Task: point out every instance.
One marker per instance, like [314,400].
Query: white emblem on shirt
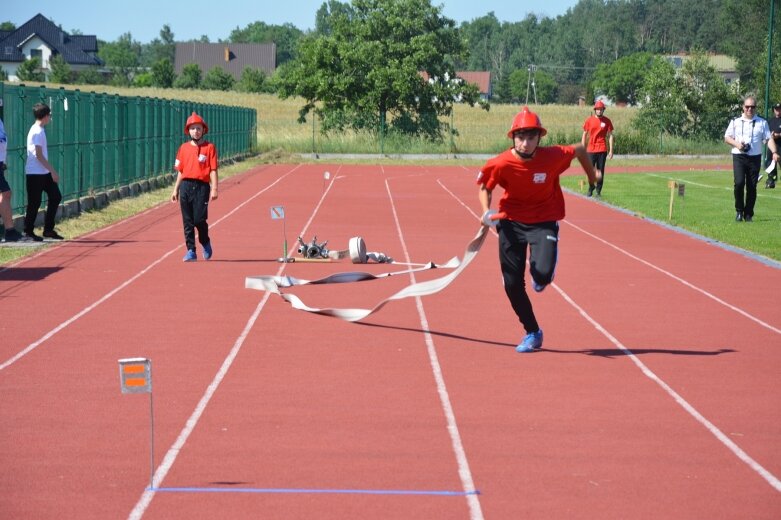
[539,178]
[479,175]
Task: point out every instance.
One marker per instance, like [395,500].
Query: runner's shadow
[617,352]
[441,334]
[27,274]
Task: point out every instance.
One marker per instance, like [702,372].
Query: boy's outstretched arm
[585,163]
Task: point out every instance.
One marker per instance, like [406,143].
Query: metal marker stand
[135,377]
[278,213]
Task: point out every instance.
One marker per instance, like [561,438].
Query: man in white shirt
[746,135]
[41,177]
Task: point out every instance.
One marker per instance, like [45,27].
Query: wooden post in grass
[681,190]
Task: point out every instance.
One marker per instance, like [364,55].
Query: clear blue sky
[188,19]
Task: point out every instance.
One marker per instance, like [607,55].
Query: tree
[122,57]
[708,99]
[286,38]
[217,79]
[622,79]
[160,48]
[163,74]
[663,107]
[252,80]
[60,70]
[370,66]
[30,70]
[326,11]
[190,77]
[90,76]
[7,26]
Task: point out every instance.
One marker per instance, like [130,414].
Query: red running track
[656,394]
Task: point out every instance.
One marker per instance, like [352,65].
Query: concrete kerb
[74,207]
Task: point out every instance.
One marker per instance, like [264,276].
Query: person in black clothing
[775,131]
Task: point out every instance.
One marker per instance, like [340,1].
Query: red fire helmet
[526,120]
[195,119]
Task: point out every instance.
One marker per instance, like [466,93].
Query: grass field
[476,131]
[706,207]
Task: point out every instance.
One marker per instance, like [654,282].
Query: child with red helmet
[196,185]
[529,212]
[598,129]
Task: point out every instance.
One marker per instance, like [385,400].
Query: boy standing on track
[196,185]
[40,177]
[599,131]
[529,212]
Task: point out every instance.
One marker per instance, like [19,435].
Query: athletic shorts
[598,160]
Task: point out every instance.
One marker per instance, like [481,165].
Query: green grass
[706,208]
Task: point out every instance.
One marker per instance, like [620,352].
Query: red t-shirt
[196,161]
[532,192]
[597,128]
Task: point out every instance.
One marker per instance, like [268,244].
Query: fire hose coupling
[356,251]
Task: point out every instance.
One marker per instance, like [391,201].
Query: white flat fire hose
[275,283]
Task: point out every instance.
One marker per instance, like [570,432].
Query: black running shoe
[53,235]
[31,237]
[12,235]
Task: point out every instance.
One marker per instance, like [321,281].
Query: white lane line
[678,279]
[724,439]
[464,473]
[32,346]
[173,452]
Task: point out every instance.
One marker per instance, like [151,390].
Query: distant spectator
[775,132]
[745,135]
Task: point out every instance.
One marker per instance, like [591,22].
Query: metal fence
[98,141]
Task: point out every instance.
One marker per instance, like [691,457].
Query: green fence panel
[99,142]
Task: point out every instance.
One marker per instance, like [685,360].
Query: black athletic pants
[36,186]
[542,240]
[745,170]
[194,203]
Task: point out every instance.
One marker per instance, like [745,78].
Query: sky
[217,18]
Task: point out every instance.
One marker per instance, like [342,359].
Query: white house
[40,37]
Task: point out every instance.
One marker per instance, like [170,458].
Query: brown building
[233,58]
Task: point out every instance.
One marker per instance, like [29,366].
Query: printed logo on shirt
[201,158]
[177,163]
[602,124]
[539,178]
[479,176]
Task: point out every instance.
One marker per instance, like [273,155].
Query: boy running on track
[529,212]
[196,185]
[598,131]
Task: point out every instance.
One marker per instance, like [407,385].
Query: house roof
[482,79]
[75,49]
[232,57]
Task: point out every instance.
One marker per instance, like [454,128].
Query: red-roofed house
[476,77]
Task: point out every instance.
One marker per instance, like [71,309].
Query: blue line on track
[304,490]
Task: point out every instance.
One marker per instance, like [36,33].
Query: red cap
[599,104]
